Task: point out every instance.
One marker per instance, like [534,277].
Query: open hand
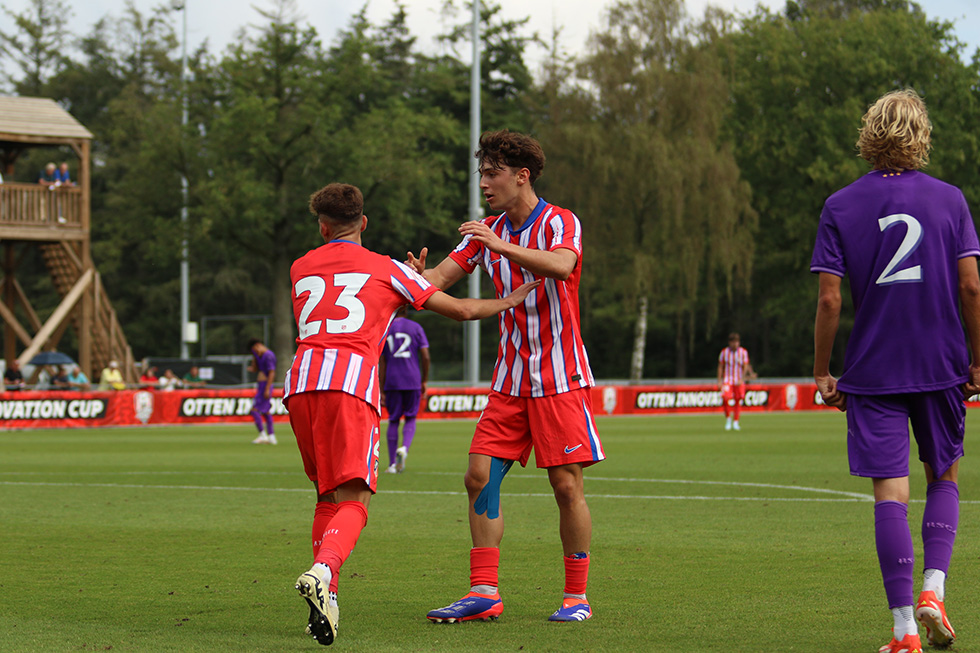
[418,264]
[522,291]
[483,234]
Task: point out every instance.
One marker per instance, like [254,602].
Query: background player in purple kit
[908,245]
[404,371]
[264,365]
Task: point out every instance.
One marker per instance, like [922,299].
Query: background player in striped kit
[541,390]
[734,370]
[908,246]
[344,299]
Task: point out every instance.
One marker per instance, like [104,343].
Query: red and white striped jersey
[541,351]
[733,364]
[344,299]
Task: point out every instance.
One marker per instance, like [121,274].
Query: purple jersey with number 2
[899,236]
[401,353]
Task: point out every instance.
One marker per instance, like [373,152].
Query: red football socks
[576,573]
[325,511]
[341,534]
[484,563]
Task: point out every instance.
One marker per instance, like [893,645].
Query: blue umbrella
[51,358]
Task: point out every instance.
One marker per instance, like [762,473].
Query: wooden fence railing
[36,205]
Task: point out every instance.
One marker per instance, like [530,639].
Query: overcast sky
[219,20]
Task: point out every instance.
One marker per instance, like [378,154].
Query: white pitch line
[853,498]
[800,488]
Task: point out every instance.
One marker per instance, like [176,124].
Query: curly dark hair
[338,202]
[507,148]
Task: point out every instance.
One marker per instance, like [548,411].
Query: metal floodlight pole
[472,328]
[184,263]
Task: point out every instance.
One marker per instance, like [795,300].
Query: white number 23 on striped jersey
[350,284]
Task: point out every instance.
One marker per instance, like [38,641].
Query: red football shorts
[733,392]
[338,438]
[560,428]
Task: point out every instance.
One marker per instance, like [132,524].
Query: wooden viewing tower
[58,221]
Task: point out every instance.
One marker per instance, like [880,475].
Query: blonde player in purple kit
[404,373]
[907,243]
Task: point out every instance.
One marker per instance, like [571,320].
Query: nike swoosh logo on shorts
[571,449]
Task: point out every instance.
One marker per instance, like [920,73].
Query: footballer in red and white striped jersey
[733,362]
[541,352]
[344,299]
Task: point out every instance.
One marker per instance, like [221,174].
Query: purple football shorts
[878,431]
[261,403]
[400,403]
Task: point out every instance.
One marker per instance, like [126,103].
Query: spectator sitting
[63,177]
[77,379]
[60,379]
[149,379]
[43,379]
[112,378]
[193,378]
[13,378]
[169,381]
[49,176]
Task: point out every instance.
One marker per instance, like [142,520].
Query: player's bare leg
[487,525]
[575,529]
[483,478]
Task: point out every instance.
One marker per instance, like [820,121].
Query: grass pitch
[190,539]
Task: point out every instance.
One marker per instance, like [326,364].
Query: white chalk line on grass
[842,496]
[849,497]
[801,488]
[653,497]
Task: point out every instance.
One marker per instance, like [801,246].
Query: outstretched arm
[824,332]
[425,361]
[970,306]
[475,309]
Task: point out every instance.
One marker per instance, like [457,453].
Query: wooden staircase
[108,341]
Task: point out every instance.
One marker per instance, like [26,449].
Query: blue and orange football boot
[472,607]
[572,610]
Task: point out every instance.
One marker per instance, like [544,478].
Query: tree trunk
[283,327]
[680,346]
[639,340]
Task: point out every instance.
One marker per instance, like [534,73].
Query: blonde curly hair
[896,133]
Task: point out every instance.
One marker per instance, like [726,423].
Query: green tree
[289,118]
[668,216]
[794,118]
[37,45]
